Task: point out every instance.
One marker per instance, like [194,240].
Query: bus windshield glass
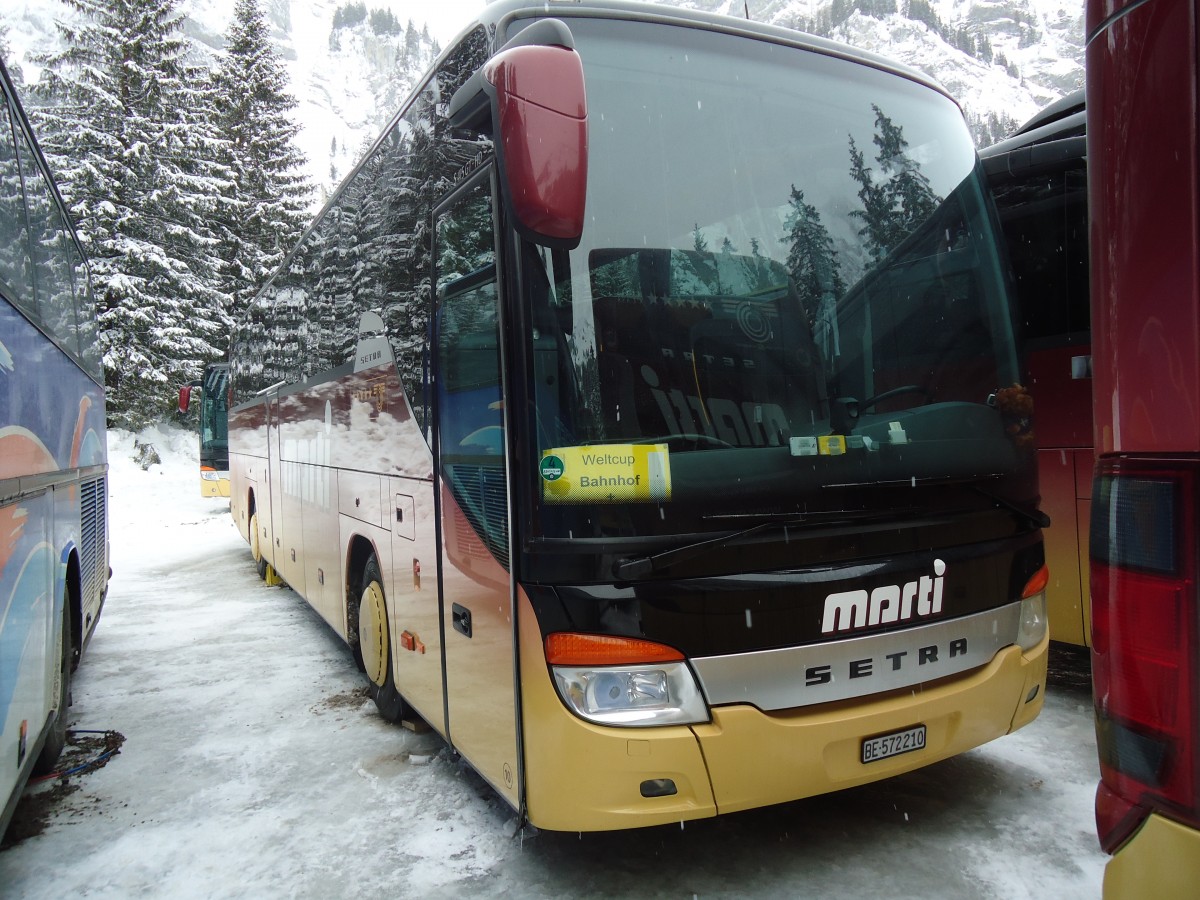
[214,417]
[787,293]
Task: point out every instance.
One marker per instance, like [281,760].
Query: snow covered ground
[254,766]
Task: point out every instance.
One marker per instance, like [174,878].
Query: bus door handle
[462,619]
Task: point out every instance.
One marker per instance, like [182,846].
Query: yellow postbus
[644,411]
[213,388]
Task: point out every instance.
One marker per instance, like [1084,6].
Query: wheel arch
[359,549]
[74,589]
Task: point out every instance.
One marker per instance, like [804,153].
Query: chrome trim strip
[859,666]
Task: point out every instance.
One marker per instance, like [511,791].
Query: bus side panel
[1064,431]
[289,535]
[417,656]
[1141,214]
[28,569]
[270,515]
[477,622]
[1064,597]
[247,465]
[309,550]
[320,549]
[51,421]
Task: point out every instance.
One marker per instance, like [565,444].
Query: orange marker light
[1037,583]
[571,649]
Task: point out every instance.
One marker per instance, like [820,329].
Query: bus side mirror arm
[532,94]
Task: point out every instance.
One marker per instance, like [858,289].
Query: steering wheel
[896,392]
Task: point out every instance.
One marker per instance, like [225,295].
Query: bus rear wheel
[374,645]
[260,561]
[56,740]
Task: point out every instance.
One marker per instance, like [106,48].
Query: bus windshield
[214,417]
[787,288]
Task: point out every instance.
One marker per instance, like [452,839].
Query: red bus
[645,413]
[1144,197]
[1038,179]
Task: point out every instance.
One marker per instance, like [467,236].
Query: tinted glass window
[16,266]
[1046,229]
[53,263]
[85,312]
[471,411]
[788,279]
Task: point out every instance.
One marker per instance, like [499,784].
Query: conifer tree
[811,260]
[122,124]
[14,70]
[269,195]
[894,206]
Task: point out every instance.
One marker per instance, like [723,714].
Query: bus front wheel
[374,645]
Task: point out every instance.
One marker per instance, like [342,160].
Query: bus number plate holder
[893,744]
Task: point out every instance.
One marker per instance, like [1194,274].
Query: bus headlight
[617,680]
[1033,621]
[663,694]
[1033,610]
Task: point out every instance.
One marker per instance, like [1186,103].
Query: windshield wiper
[1036,516]
[641,566]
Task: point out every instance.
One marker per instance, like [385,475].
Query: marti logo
[846,610]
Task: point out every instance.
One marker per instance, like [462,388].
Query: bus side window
[15,263]
[52,266]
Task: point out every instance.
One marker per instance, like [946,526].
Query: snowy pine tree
[892,208]
[812,259]
[123,127]
[269,195]
[14,70]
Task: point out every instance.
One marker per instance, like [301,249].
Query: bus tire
[374,644]
[56,740]
[260,561]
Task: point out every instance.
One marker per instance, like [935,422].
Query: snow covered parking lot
[254,766]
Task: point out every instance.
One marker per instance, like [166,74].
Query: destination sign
[606,473]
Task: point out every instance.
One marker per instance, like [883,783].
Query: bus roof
[1065,118]
[499,15]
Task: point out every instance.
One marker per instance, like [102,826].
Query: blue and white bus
[53,459]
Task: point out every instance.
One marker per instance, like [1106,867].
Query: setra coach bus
[644,411]
[1143,106]
[53,459]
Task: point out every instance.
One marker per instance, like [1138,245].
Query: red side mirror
[541,113]
[185,398]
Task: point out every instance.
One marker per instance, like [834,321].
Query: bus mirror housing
[532,92]
[185,396]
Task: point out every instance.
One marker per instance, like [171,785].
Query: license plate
[886,745]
